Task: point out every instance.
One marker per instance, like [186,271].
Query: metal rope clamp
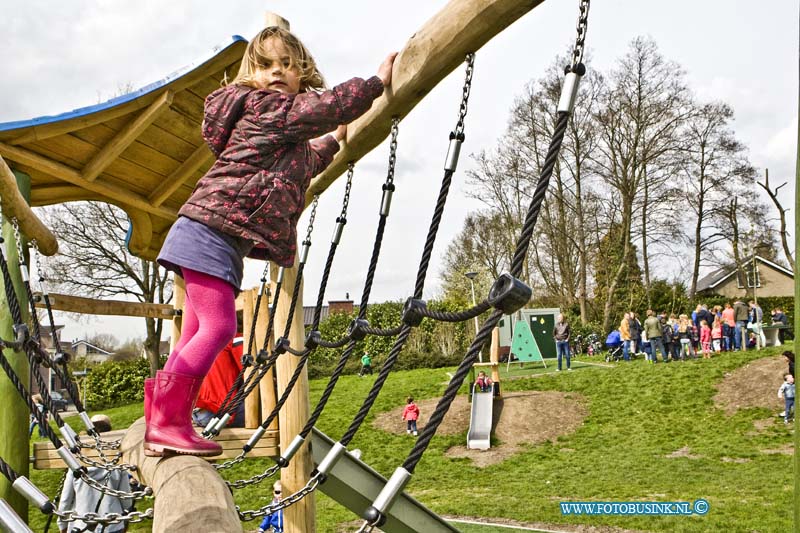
[411,311]
[262,357]
[508,294]
[376,513]
[356,329]
[281,346]
[313,338]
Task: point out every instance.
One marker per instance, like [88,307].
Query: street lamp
[471,276]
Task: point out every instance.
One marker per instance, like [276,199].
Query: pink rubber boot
[170,429]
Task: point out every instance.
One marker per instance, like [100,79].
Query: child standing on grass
[705,339]
[366,365]
[410,415]
[685,337]
[716,335]
[268,131]
[786,392]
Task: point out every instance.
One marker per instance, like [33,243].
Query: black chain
[462,111]
[582,26]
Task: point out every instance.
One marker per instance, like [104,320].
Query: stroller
[614,344]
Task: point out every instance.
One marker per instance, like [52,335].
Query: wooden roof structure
[142,151]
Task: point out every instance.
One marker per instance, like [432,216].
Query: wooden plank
[125,137]
[189,105]
[155,149]
[15,206]
[70,175]
[201,156]
[74,151]
[181,127]
[430,54]
[45,456]
[90,306]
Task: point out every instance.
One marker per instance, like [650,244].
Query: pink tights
[209,324]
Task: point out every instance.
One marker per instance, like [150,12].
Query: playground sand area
[753,385]
[521,418]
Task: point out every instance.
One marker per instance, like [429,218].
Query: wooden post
[266,388]
[14,415]
[263,396]
[179,295]
[296,410]
[273,19]
[494,356]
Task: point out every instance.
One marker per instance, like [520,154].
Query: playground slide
[355,485]
[480,421]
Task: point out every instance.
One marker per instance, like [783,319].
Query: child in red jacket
[410,415]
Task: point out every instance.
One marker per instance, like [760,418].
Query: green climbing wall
[524,347]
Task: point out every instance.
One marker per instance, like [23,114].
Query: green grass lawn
[638,415]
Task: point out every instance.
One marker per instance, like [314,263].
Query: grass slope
[639,414]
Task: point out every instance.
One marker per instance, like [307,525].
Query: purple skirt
[193,245]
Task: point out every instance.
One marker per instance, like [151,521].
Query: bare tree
[714,166]
[773,195]
[93,260]
[641,112]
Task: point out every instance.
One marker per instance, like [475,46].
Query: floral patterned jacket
[266,159]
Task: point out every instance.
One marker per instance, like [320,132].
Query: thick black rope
[29,293]
[405,329]
[26,397]
[484,334]
[362,314]
[7,471]
[11,295]
[459,316]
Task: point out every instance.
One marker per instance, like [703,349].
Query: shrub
[116,383]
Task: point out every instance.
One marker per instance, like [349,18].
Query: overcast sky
[58,56]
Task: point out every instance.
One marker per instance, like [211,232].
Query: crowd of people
[703,333]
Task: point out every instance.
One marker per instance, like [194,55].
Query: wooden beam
[90,306]
[189,493]
[180,175]
[231,439]
[433,52]
[126,136]
[15,206]
[70,175]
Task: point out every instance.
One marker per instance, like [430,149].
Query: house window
[753,275]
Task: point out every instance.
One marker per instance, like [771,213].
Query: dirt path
[521,418]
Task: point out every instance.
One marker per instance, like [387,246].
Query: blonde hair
[299,56]
[683,324]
